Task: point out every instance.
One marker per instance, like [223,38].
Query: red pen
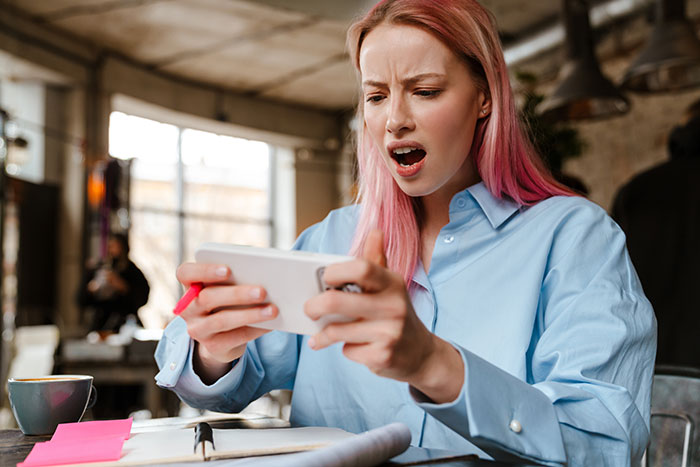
[190,295]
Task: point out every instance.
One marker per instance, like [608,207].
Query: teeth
[406,150]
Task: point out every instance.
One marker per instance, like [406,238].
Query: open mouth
[407,157]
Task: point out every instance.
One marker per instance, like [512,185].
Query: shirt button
[172,366]
[449,239]
[515,426]
[461,202]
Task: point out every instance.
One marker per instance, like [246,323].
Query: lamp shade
[583,91]
[671,58]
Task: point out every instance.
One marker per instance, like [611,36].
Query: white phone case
[289,277]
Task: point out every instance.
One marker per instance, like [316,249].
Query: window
[188,187]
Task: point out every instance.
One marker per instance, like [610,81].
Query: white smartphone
[289,277]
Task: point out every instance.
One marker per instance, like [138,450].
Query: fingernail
[268,311]
[222,271]
[312,342]
[255,293]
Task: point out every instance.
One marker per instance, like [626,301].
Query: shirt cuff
[193,384]
[171,353]
[499,413]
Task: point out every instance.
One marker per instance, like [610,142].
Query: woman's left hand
[385,335]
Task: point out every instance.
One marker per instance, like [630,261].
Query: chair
[675,413]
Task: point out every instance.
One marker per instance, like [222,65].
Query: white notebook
[157,447]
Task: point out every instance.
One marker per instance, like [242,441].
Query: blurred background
[175,122]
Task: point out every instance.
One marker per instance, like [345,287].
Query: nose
[399,118]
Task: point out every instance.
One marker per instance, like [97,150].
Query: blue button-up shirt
[542,302]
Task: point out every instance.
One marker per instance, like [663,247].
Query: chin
[413,188]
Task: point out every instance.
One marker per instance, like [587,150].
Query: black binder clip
[203,434]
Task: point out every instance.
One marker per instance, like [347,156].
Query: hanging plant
[555,142]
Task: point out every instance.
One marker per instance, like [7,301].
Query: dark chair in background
[675,413]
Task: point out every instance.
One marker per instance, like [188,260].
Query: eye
[374,98]
[428,92]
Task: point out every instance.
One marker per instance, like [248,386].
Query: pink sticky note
[65,452]
[83,431]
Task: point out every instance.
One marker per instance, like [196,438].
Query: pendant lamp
[671,58]
[583,92]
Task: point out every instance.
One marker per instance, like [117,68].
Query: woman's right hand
[219,319]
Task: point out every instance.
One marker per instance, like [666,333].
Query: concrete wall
[284,206]
[70,261]
[316,186]
[55,113]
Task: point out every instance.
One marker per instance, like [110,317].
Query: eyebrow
[407,81]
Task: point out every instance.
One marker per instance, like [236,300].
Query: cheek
[375,126]
[454,125]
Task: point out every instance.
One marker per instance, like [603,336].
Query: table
[14,447]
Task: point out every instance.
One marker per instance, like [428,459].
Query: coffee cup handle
[93,397]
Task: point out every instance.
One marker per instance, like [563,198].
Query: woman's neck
[434,215]
[435,212]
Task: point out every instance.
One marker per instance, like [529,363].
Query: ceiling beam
[68,56]
[299,73]
[234,41]
[23,37]
[306,126]
[96,8]
[345,10]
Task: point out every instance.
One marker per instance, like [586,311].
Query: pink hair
[504,156]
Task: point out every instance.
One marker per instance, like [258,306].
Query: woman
[509,321]
[115,289]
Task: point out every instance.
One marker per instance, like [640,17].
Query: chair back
[675,414]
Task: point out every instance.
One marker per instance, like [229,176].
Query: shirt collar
[419,275]
[496,210]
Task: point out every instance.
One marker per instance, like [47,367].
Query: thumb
[374,248]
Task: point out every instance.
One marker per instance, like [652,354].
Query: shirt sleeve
[586,400]
[268,363]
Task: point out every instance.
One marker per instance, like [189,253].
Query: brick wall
[618,148]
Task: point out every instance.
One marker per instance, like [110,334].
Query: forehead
[404,49]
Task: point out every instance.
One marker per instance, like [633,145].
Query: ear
[484,105]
